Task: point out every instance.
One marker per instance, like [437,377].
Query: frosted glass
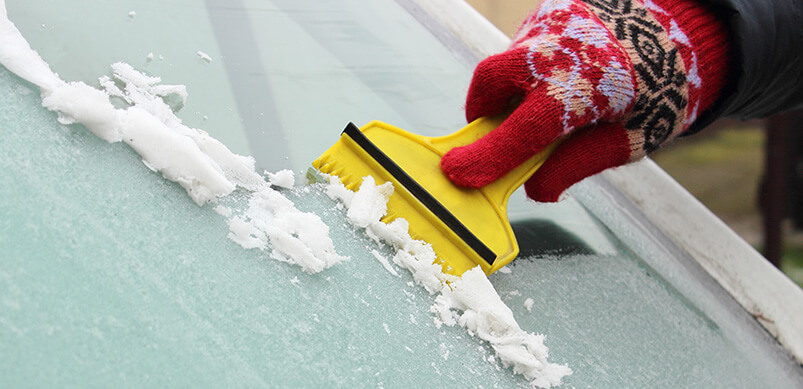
[171,32]
[618,325]
[111,276]
[285,76]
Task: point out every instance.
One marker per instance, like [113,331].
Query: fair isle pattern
[661,111]
[583,66]
[693,81]
[576,47]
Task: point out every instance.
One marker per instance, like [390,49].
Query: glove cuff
[703,43]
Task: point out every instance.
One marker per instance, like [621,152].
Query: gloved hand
[616,79]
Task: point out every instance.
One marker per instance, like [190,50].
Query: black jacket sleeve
[766,69]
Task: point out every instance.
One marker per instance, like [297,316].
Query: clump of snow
[204,57]
[223,211]
[528,304]
[148,93]
[272,220]
[76,102]
[469,301]
[282,179]
[203,166]
[370,203]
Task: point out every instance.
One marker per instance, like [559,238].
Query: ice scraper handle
[501,188]
[465,227]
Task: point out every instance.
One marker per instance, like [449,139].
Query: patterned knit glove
[615,78]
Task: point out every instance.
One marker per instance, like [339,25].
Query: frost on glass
[111,274]
[283,72]
[209,172]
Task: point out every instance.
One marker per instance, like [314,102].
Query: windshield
[112,274]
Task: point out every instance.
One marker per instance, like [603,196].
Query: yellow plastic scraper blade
[466,227]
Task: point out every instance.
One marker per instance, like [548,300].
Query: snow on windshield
[136,109]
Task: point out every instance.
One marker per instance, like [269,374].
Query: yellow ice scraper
[466,227]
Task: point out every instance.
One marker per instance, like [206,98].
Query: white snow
[369,203]
[469,301]
[528,304]
[472,302]
[384,262]
[282,179]
[18,57]
[203,56]
[271,220]
[505,270]
[223,211]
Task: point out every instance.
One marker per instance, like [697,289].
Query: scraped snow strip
[469,301]
[202,165]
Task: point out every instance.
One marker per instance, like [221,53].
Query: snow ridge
[469,301]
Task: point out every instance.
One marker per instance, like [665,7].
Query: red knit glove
[617,79]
